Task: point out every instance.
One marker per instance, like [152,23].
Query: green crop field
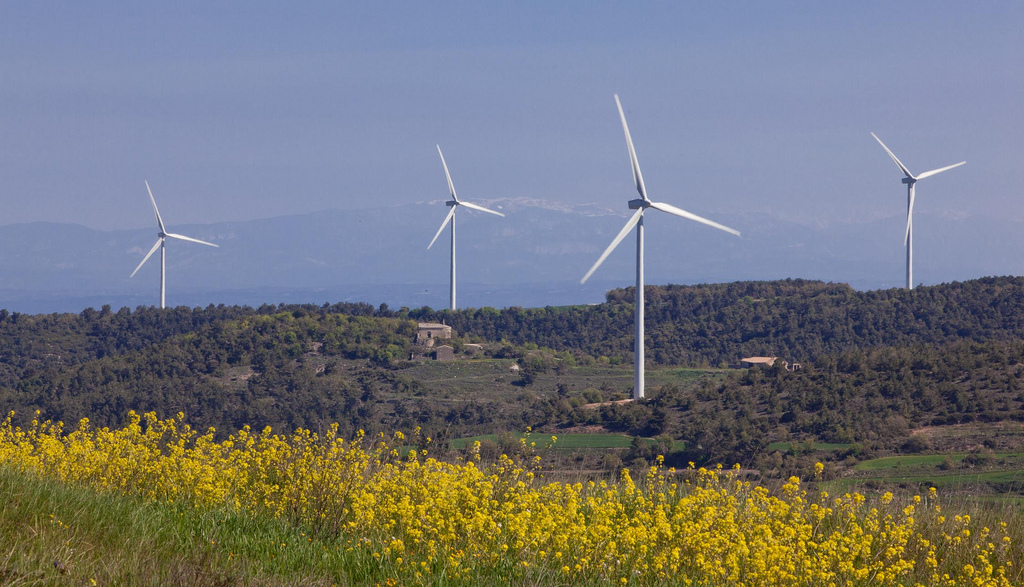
[907,461]
[953,480]
[1004,459]
[991,475]
[492,379]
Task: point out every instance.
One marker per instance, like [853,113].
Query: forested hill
[686,325]
[795,319]
[31,344]
[934,356]
[224,367]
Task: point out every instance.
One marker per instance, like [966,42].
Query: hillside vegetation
[878,368]
[717,324]
[358,512]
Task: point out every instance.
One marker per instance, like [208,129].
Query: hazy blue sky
[244,110]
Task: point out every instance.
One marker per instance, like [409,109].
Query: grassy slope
[563,442]
[51,533]
[1002,475]
[54,533]
[57,534]
[491,380]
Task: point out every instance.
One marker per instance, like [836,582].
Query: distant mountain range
[533,257]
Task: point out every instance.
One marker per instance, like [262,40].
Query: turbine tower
[640,204]
[160,243]
[910,180]
[454,203]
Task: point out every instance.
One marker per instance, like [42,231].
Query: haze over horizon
[237,113]
[534,256]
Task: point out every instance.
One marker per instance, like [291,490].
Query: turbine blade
[894,158]
[447,219]
[480,208]
[638,178]
[190,239]
[159,221]
[146,258]
[684,214]
[451,186]
[939,170]
[618,239]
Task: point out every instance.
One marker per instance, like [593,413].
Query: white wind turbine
[160,238]
[454,203]
[910,180]
[640,204]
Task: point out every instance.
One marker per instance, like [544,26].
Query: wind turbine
[160,238]
[910,180]
[640,204]
[454,203]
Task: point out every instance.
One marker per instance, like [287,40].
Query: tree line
[876,364]
[717,324]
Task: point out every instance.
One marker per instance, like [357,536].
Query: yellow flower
[469,516]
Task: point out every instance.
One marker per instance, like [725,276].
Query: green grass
[57,534]
[953,480]
[489,380]
[51,533]
[1001,477]
[924,460]
[676,375]
[117,540]
[905,461]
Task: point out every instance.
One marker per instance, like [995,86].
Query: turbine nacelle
[909,180]
[643,202]
[451,203]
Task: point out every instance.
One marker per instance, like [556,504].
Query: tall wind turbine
[910,180]
[454,203]
[640,204]
[160,243]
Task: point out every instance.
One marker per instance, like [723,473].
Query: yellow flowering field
[424,519]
